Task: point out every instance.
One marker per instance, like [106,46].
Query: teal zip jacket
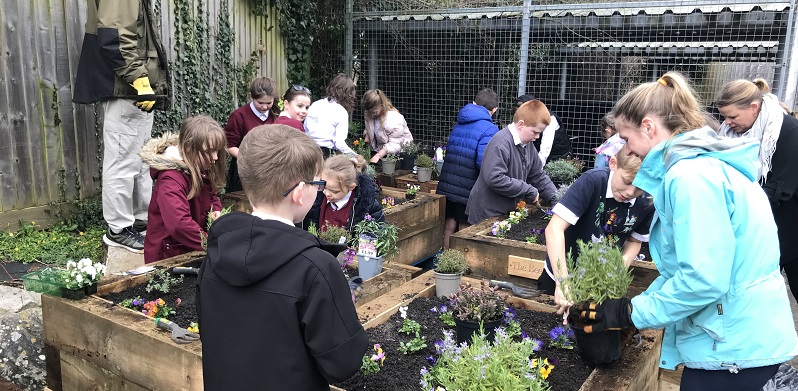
[720,295]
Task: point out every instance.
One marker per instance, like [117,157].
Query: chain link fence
[431,57]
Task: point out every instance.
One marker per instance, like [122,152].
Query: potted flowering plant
[477,308]
[80,278]
[449,268]
[411,191]
[376,241]
[597,274]
[424,166]
[409,153]
[389,163]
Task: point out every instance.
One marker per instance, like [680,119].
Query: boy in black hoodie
[275,310]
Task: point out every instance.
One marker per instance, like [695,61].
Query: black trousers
[751,379]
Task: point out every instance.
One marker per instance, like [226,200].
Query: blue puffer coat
[464,150]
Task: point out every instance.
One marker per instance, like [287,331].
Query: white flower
[79,278]
[403,312]
[71,264]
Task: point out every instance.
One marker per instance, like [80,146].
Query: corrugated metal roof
[721,48]
[563,10]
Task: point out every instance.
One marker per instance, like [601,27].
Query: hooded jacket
[464,152]
[392,133]
[121,44]
[365,202]
[174,222]
[275,309]
[713,240]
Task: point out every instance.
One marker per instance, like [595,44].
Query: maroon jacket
[241,121]
[174,222]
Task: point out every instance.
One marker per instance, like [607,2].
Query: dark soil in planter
[537,221]
[186,291]
[402,372]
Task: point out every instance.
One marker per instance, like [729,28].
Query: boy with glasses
[511,169]
[275,310]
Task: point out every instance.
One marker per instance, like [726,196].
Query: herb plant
[386,234]
[599,273]
[483,304]
[162,281]
[424,161]
[563,170]
[451,261]
[410,148]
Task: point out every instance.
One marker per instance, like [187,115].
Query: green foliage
[599,273]
[483,304]
[162,281]
[387,234]
[83,214]
[563,170]
[56,245]
[134,302]
[451,261]
[205,79]
[313,229]
[424,161]
[391,157]
[210,220]
[504,365]
[411,148]
[373,362]
[333,234]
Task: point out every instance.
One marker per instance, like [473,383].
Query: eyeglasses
[297,87]
[319,184]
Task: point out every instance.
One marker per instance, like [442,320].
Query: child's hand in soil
[562,304]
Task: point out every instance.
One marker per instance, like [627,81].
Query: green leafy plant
[362,148]
[135,302]
[413,328]
[599,273]
[508,364]
[210,220]
[563,170]
[391,157]
[444,314]
[424,161]
[55,245]
[386,234]
[333,234]
[412,190]
[410,148]
[561,337]
[483,304]
[313,229]
[162,281]
[451,261]
[373,362]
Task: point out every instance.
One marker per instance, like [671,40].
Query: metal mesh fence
[431,57]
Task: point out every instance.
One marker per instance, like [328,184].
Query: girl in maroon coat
[295,107]
[188,171]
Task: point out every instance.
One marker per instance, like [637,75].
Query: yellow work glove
[146,98]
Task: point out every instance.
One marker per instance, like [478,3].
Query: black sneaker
[140,226]
[128,239]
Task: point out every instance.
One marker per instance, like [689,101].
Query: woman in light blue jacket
[720,296]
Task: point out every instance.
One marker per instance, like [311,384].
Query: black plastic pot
[598,348]
[408,161]
[73,294]
[465,329]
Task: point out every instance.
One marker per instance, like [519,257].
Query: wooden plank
[79,374]
[114,284]
[420,246]
[412,179]
[415,216]
[12,187]
[9,220]
[378,311]
[121,341]
[670,380]
[525,267]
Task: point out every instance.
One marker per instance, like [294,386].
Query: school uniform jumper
[511,172]
[275,310]
[175,222]
[240,122]
[362,201]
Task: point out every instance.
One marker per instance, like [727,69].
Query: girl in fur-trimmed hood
[188,170]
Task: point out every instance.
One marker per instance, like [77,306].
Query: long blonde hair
[671,98]
[374,98]
[200,135]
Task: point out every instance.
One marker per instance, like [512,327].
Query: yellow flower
[81,233]
[16,248]
[11,234]
[534,363]
[545,371]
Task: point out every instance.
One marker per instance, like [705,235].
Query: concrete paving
[118,259]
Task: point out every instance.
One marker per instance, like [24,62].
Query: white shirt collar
[260,115]
[609,190]
[266,216]
[514,132]
[340,203]
[285,114]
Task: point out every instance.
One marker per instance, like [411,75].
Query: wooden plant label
[525,267]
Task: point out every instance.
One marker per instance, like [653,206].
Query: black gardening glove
[612,314]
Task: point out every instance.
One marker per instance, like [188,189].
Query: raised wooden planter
[92,344]
[642,375]
[520,262]
[420,222]
[412,179]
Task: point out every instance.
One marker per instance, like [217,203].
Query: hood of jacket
[244,249]
[473,112]
[738,153]
[161,154]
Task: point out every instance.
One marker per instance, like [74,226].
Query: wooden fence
[50,148]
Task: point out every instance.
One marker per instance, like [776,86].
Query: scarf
[765,130]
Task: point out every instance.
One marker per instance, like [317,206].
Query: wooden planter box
[520,262]
[642,375]
[412,179]
[91,344]
[420,222]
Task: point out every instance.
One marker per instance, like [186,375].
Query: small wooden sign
[525,267]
